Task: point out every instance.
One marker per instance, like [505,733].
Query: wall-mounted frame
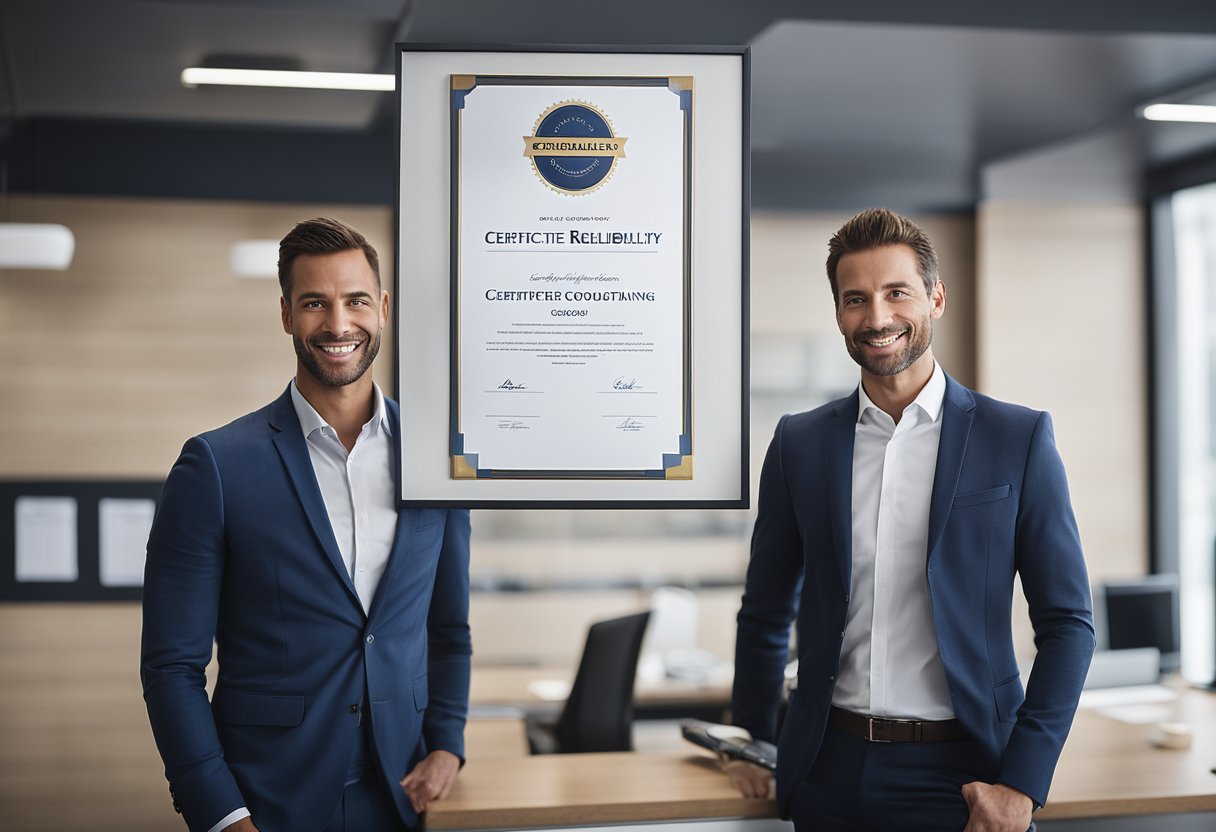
[572,276]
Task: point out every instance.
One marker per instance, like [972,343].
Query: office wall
[792,319]
[147,339]
[790,291]
[108,368]
[1061,327]
[77,751]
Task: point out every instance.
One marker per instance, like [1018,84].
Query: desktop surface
[1108,769]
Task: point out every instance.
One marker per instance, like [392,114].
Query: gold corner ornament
[680,83]
[683,471]
[464,82]
[461,469]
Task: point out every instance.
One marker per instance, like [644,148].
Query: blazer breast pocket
[988,495]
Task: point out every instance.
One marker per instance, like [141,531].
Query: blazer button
[354,709]
[370,639]
[832,678]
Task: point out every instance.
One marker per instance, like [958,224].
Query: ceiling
[894,103]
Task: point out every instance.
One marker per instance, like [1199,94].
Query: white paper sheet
[123,527]
[46,539]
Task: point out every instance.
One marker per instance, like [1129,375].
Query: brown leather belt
[879,729]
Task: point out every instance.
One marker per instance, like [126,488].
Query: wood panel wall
[147,340]
[1063,328]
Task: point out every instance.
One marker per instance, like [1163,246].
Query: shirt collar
[930,398]
[311,421]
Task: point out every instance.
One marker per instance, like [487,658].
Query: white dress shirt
[360,499]
[358,489]
[889,662]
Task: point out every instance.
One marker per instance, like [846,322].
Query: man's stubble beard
[370,350]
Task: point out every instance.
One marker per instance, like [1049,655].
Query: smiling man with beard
[340,620]
[892,524]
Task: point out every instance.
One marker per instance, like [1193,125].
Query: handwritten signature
[512,424]
[630,424]
[510,385]
[622,384]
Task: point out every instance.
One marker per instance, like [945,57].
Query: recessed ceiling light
[254,258]
[1180,112]
[199,75]
[36,246]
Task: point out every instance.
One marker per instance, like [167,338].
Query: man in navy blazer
[892,523]
[340,621]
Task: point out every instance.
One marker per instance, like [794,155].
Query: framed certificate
[571,286]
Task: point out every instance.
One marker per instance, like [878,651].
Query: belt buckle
[883,725]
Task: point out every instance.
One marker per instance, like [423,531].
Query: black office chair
[598,715]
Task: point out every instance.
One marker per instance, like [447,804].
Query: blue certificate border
[675,465]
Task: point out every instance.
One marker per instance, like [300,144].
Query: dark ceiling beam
[739,21]
[80,156]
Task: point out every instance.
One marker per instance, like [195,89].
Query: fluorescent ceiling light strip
[1181,112]
[198,75]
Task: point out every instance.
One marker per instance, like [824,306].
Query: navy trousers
[861,786]
[365,805]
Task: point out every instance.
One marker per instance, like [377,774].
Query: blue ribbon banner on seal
[573,148]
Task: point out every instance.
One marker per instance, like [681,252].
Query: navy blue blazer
[999,507]
[242,552]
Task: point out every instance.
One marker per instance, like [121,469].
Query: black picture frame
[423,313]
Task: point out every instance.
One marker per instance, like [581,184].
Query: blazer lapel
[293,448]
[842,434]
[958,411]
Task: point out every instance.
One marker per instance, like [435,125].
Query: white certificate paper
[123,526]
[46,539]
[571,346]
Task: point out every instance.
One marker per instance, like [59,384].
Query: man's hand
[431,779]
[751,780]
[243,825]
[996,807]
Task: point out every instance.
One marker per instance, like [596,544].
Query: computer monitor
[1144,613]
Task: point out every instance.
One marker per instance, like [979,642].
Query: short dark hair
[875,228]
[322,235]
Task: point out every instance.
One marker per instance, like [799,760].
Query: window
[1184,224]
